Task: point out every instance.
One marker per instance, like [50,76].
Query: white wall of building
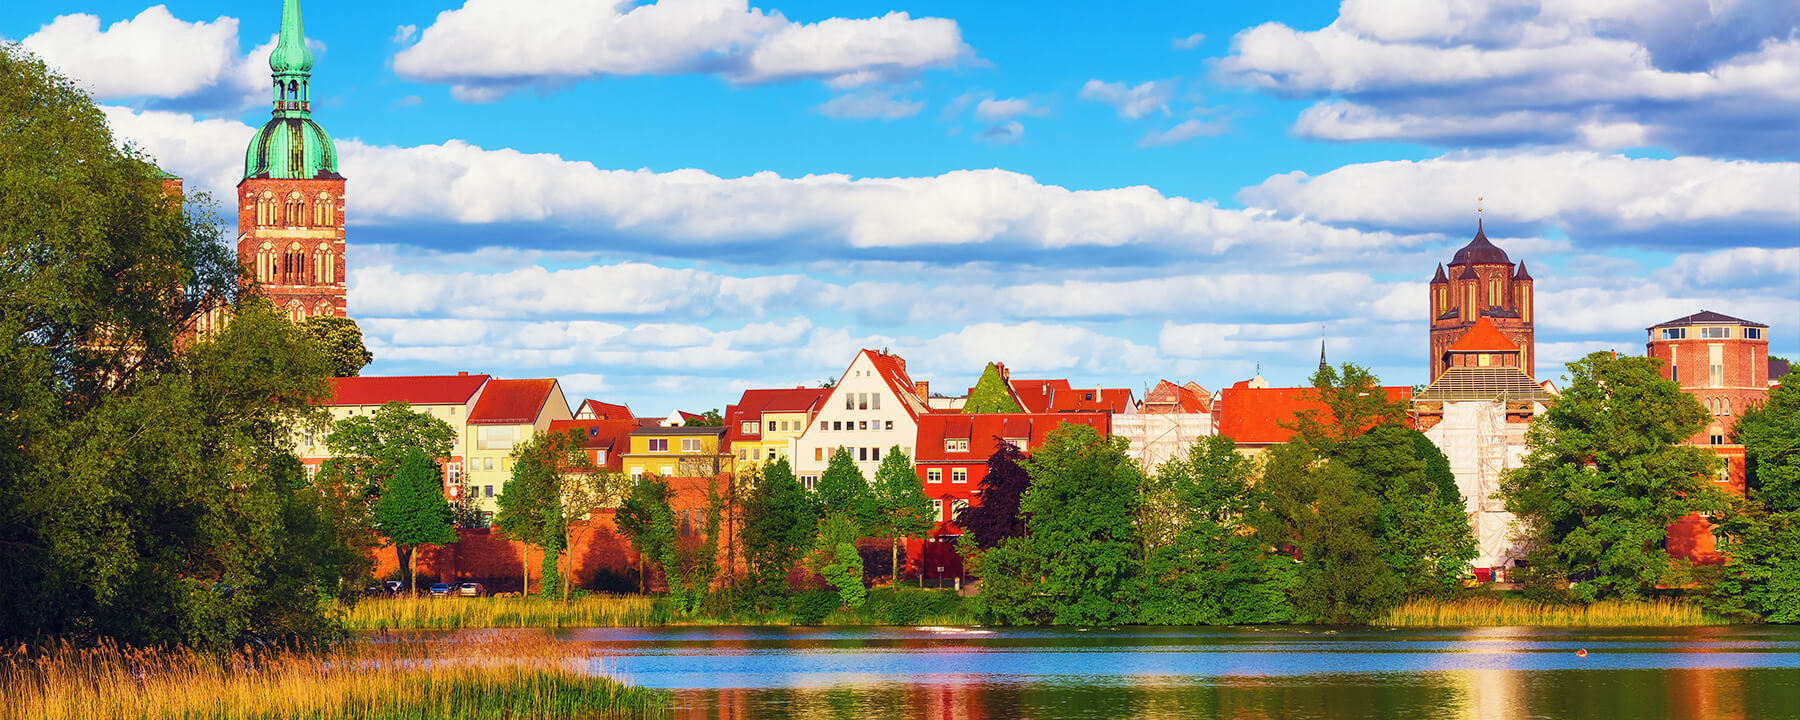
[862,400]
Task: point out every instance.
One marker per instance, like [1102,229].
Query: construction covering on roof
[1484,383]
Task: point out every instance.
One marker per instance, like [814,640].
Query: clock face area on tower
[291,198]
[1481,310]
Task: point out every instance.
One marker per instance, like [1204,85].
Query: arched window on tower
[265,208]
[324,264]
[323,308]
[265,263]
[322,210]
[293,265]
[295,311]
[295,210]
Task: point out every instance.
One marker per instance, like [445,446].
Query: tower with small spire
[1479,284]
[291,198]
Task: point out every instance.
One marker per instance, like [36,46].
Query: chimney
[922,388]
[463,373]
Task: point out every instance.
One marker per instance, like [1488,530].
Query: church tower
[1481,284]
[291,200]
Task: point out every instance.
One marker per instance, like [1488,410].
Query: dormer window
[956,444]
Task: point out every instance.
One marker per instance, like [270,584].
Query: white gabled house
[874,407]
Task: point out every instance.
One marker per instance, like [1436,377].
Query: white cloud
[155,56]
[1005,133]
[1695,75]
[870,104]
[621,289]
[1131,102]
[487,48]
[404,34]
[1186,130]
[992,109]
[1187,43]
[1739,267]
[1034,347]
[1664,201]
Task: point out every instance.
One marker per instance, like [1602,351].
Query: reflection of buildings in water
[713,704]
[1490,694]
[1706,693]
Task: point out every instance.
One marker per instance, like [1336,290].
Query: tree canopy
[342,341]
[780,524]
[990,394]
[411,510]
[996,517]
[1605,475]
[1760,579]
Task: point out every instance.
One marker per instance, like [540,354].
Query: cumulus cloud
[488,48]
[996,109]
[1679,202]
[869,104]
[1186,130]
[621,289]
[1692,75]
[1187,43]
[165,61]
[1131,102]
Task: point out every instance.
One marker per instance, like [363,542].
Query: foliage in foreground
[881,606]
[1761,578]
[477,677]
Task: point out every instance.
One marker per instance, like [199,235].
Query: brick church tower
[1481,285]
[291,200]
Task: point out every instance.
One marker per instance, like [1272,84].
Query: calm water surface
[1741,673]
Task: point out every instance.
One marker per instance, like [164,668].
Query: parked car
[439,590]
[394,587]
[471,589]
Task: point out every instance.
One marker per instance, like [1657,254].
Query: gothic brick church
[291,200]
[1481,290]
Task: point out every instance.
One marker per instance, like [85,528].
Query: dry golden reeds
[456,679]
[1481,612]
[505,612]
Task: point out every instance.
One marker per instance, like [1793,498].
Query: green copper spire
[291,146]
[291,56]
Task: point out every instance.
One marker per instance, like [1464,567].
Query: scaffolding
[1157,437]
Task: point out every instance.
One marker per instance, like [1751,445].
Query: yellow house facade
[766,424]
[677,452]
[450,398]
[510,413]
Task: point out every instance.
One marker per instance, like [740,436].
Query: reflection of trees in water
[1580,693]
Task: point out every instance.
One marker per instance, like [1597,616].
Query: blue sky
[665,203]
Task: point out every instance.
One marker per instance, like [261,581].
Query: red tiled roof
[1254,416]
[1034,395]
[602,435]
[1484,337]
[1114,400]
[754,403]
[604,411]
[412,389]
[893,371]
[511,402]
[982,429]
[1167,397]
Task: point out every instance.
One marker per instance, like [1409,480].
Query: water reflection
[1732,673]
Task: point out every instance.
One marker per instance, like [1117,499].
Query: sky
[666,203]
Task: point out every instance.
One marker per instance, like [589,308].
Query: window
[690,445]
[863,454]
[453,471]
[862,401]
[959,475]
[1017,442]
[808,481]
[668,471]
[837,426]
[659,444]
[487,463]
[864,425]
[875,453]
[1484,359]
[957,506]
[1751,333]
[818,454]
[637,473]
[498,438]
[1715,365]
[743,453]
[1715,333]
[956,444]
[849,401]
[890,424]
[1718,439]
[1674,333]
[487,491]
[934,475]
[875,401]
[937,508]
[1721,540]
[756,454]
[748,428]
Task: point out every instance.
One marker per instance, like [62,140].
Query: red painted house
[951,461]
[1257,418]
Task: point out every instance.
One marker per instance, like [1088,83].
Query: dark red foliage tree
[997,516]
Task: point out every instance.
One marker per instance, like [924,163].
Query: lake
[1749,673]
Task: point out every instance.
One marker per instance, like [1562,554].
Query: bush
[811,608]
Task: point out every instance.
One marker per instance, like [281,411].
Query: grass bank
[1478,612]
[885,606]
[474,679]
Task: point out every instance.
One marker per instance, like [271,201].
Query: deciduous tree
[412,511]
[996,517]
[780,525]
[342,341]
[900,504]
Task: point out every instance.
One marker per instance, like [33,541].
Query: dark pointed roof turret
[1479,251]
[1439,277]
[1522,275]
[1468,273]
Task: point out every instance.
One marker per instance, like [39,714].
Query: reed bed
[406,613]
[1479,612]
[475,678]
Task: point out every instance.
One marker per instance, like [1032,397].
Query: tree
[1081,547]
[780,525]
[990,394]
[1354,402]
[1605,474]
[342,341]
[412,510]
[367,450]
[576,486]
[1213,570]
[647,522]
[839,562]
[710,418]
[1760,579]
[527,512]
[149,491]
[996,517]
[1317,509]
[901,508]
[842,489]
